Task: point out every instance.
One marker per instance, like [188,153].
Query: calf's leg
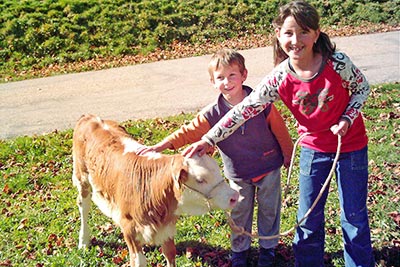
[169,251]
[84,203]
[137,258]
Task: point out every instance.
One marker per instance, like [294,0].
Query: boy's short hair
[225,57]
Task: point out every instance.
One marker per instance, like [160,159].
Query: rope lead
[240,230]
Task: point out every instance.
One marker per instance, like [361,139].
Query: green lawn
[40,220]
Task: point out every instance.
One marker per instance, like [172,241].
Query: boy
[252,156]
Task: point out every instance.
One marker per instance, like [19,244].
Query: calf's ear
[181,177]
[179,172]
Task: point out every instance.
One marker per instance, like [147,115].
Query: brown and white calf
[144,195]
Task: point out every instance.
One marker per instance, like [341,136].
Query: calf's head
[204,188]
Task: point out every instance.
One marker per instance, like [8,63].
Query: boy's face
[228,80]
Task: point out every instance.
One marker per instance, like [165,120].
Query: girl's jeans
[267,192]
[352,180]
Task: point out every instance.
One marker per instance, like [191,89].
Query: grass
[40,220]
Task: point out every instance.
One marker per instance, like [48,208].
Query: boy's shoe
[239,259]
[266,257]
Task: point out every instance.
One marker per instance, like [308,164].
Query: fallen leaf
[6,263]
[395,216]
[22,223]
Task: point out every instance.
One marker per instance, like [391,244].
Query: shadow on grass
[216,256]
[388,256]
[384,257]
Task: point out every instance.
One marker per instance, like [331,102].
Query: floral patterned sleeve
[355,82]
[265,93]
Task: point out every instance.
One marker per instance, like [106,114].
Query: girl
[325,92]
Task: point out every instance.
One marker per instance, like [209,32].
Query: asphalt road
[159,89]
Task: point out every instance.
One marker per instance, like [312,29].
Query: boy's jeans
[352,178]
[267,192]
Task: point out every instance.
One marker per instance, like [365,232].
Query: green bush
[77,30]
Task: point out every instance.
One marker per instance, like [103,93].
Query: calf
[144,195]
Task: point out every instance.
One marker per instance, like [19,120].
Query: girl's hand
[200,148]
[341,128]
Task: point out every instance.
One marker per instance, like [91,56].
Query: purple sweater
[252,150]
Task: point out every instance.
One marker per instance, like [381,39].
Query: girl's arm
[265,93]
[353,80]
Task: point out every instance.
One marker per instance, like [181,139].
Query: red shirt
[319,103]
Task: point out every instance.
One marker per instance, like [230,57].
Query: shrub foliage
[35,34]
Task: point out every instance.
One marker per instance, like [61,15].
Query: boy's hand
[200,148]
[158,148]
[286,162]
[146,149]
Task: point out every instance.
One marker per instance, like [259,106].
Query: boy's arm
[187,134]
[281,133]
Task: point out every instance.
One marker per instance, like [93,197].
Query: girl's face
[228,80]
[296,42]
